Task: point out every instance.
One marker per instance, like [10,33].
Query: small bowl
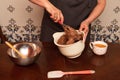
[72,50]
[30,50]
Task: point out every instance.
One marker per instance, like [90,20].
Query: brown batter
[70,36]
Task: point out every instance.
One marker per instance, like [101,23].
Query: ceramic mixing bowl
[72,50]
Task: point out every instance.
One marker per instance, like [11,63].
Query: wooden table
[107,67]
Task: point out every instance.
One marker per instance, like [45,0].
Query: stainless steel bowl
[30,50]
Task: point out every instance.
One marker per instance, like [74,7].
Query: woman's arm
[42,3]
[54,12]
[84,26]
[96,11]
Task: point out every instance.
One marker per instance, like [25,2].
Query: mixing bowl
[72,50]
[28,49]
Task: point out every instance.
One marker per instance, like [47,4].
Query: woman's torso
[74,12]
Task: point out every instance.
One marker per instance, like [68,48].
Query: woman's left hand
[84,26]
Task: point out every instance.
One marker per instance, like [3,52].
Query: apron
[74,12]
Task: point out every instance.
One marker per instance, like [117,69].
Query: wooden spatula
[12,47]
[59,73]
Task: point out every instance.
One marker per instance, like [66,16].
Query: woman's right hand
[55,13]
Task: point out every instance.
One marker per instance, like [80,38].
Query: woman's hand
[84,26]
[55,13]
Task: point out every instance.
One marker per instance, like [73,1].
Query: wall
[20,21]
[107,26]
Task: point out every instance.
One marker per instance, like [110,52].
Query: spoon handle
[81,72]
[12,47]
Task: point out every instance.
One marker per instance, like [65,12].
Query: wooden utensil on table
[12,47]
[59,73]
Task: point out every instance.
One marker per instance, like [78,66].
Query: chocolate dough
[70,36]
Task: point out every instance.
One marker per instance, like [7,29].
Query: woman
[79,14]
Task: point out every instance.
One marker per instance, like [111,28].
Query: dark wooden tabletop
[107,67]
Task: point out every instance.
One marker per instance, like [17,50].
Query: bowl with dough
[72,50]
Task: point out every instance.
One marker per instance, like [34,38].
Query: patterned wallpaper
[21,20]
[107,26]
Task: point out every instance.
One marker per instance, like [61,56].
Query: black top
[74,12]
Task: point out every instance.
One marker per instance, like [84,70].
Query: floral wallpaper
[107,26]
[20,20]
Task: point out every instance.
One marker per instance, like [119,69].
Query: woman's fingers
[58,16]
[55,13]
[85,28]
